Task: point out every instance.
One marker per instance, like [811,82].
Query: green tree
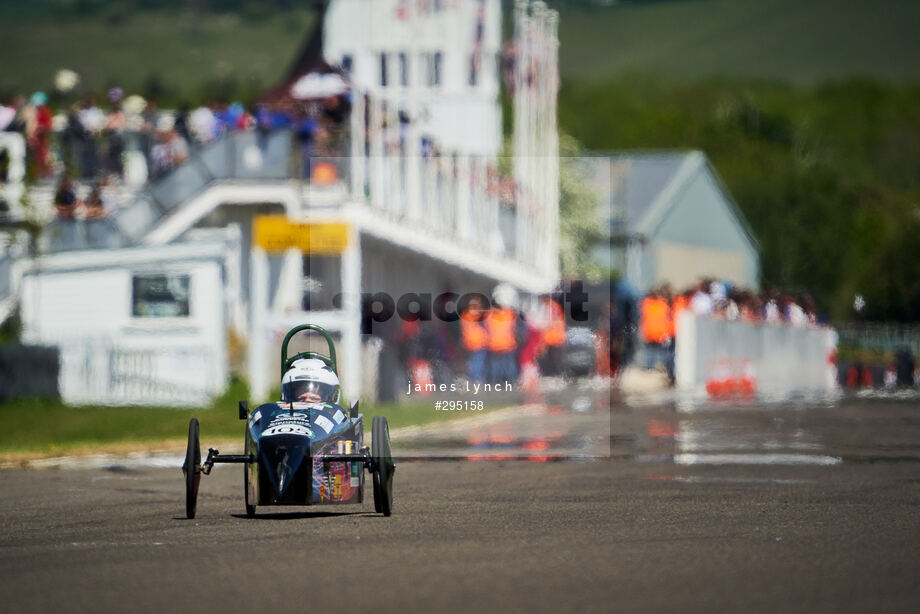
[581,229]
[827,176]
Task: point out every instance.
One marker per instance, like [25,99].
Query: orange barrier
[732,379]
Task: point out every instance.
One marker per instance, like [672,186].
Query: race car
[305,449]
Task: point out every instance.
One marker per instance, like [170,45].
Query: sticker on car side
[324,423]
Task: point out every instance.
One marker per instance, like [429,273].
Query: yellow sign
[276,233]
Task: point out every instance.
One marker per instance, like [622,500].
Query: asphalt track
[654,527]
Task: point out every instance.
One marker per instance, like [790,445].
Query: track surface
[629,534]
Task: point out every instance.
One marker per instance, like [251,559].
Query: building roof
[646,176]
[646,185]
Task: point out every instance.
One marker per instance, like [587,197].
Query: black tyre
[250,509]
[192,469]
[384,466]
[378,506]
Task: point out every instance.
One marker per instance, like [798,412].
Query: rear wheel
[192,469]
[384,466]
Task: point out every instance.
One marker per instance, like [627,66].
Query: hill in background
[169,48]
[171,53]
[797,41]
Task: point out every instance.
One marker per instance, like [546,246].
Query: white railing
[380,162]
[455,196]
[888,337]
[101,372]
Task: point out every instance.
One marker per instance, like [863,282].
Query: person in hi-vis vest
[501,325]
[475,338]
[656,329]
[549,319]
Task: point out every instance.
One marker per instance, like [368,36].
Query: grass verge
[51,428]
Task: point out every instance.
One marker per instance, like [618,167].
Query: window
[403,70]
[160,296]
[436,69]
[383,70]
[347,64]
[432,64]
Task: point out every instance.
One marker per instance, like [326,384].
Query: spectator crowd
[85,147]
[494,341]
[499,340]
[660,310]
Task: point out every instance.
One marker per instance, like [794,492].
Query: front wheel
[383,466]
[250,509]
[192,469]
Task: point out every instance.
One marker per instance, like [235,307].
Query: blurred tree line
[827,176]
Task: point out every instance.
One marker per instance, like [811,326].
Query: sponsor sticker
[301,419]
[324,423]
[287,429]
[355,474]
[339,416]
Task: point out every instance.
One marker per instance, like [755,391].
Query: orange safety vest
[473,334]
[500,323]
[679,303]
[655,320]
[554,335]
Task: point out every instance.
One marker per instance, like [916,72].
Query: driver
[310,380]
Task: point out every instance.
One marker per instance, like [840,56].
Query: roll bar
[329,360]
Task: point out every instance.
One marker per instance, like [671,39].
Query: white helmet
[505,295]
[310,380]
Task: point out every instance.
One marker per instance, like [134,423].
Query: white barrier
[103,372]
[725,359]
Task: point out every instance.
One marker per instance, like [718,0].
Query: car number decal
[287,429]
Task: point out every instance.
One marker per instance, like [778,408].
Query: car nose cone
[281,459]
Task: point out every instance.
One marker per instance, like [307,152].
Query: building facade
[398,189]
